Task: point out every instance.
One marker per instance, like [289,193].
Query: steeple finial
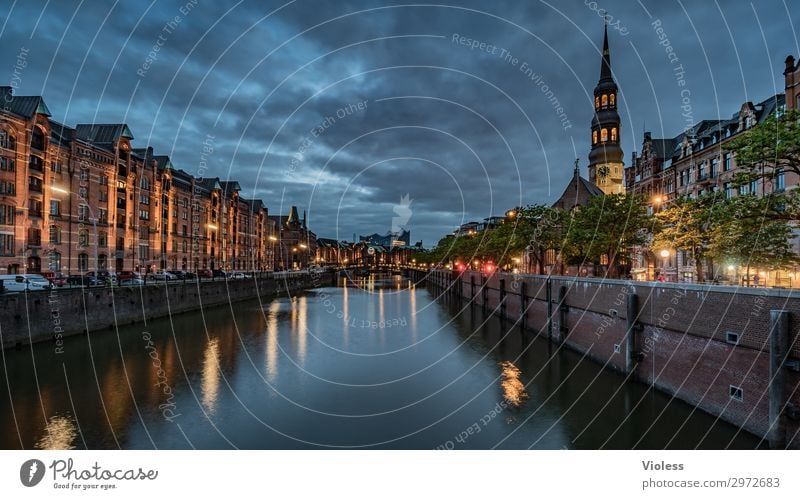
[577,167]
[605,63]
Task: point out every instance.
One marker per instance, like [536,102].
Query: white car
[236,275]
[162,275]
[15,283]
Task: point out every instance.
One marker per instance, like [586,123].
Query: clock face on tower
[603,171]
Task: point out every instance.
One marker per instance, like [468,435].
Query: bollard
[778,346]
[548,291]
[523,298]
[631,329]
[562,314]
[503,298]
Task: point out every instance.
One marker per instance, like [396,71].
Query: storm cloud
[342,108]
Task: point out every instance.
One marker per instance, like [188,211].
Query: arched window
[605,100]
[614,134]
[102,262]
[83,238]
[83,262]
[594,137]
[611,99]
[596,102]
[55,234]
[37,138]
[604,135]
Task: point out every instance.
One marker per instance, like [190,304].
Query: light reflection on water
[372,362]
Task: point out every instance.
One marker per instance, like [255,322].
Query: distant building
[578,192]
[402,238]
[297,246]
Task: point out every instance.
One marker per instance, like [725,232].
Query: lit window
[613,134]
[611,99]
[597,102]
[594,137]
[605,100]
[604,135]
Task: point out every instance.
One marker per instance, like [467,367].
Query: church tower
[605,158]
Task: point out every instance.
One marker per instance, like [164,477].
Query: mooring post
[503,298]
[523,302]
[484,292]
[632,327]
[562,314]
[778,345]
[548,291]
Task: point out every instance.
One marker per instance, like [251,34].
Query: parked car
[161,275]
[236,276]
[81,280]
[131,281]
[219,273]
[55,278]
[25,282]
[104,277]
[205,273]
[183,275]
[127,275]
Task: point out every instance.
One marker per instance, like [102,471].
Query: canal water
[372,363]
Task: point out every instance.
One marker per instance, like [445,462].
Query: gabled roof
[23,105]
[103,133]
[209,183]
[229,186]
[577,193]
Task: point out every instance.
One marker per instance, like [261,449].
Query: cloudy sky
[344,107]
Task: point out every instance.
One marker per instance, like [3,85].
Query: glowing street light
[665,253]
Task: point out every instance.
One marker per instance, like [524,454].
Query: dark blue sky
[343,107]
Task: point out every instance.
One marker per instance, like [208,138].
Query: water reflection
[210,386]
[272,342]
[59,434]
[513,388]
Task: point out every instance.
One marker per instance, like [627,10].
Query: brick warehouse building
[82,199]
[695,163]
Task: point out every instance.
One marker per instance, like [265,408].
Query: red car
[205,273]
[55,278]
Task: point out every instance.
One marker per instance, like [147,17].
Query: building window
[55,234]
[604,135]
[55,207]
[611,99]
[83,238]
[604,100]
[7,244]
[84,174]
[7,140]
[744,190]
[184,246]
[83,262]
[7,214]
[34,208]
[102,262]
[144,183]
[54,262]
[594,137]
[754,187]
[8,188]
[102,180]
[6,164]
[83,213]
[34,237]
[780,180]
[728,190]
[102,216]
[614,134]
[714,167]
[144,199]
[144,252]
[55,167]
[102,239]
[596,102]
[144,214]
[37,138]
[726,164]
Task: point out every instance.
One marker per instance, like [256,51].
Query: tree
[746,233]
[540,228]
[687,224]
[768,149]
[608,226]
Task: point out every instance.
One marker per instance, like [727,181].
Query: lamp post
[665,256]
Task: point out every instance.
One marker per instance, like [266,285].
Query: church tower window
[605,100]
[604,135]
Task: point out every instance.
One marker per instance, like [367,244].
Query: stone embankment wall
[51,315]
[732,352]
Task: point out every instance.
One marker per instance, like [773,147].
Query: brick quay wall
[732,352]
[52,315]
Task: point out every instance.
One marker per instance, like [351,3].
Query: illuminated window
[604,135]
[597,102]
[613,134]
[611,99]
[594,137]
[605,100]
